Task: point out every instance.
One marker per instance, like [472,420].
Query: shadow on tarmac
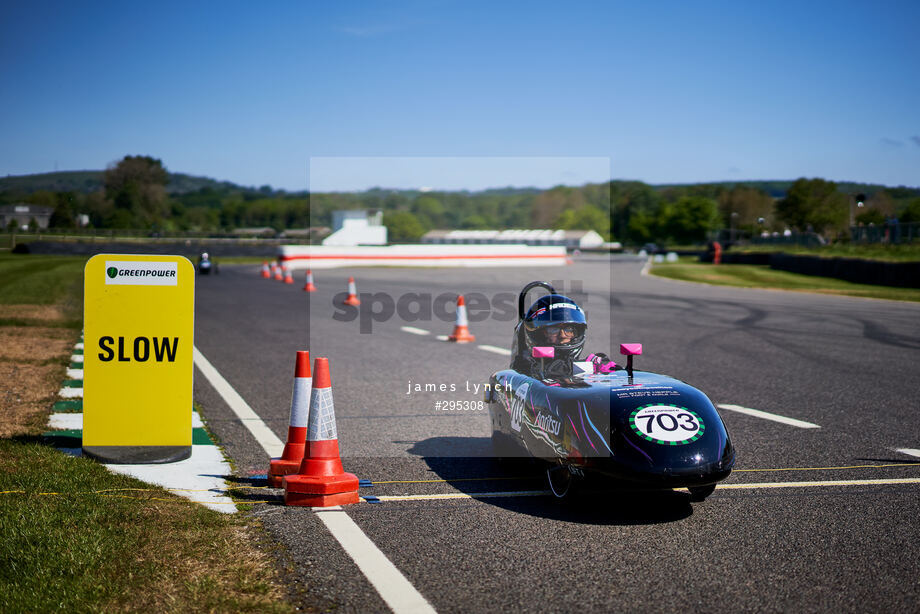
[596,500]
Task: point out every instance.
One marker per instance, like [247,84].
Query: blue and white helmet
[552,312]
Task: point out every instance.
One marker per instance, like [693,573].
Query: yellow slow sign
[137,371]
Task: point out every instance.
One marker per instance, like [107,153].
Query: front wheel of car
[699,493]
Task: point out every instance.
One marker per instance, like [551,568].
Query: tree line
[133,195]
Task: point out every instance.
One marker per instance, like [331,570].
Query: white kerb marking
[495,350]
[250,419]
[394,588]
[908,451]
[391,584]
[768,416]
[413,330]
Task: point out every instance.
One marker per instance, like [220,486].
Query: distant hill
[90,181]
[182,184]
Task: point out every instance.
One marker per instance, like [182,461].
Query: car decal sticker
[668,425]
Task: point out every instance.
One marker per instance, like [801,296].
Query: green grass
[40,280]
[762,276]
[75,537]
[78,538]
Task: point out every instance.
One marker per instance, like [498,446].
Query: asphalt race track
[845,537]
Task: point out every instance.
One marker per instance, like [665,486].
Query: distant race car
[206,265]
[643,429]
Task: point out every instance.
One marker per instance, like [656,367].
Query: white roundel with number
[668,425]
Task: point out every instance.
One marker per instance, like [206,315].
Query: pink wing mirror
[543,352]
[629,350]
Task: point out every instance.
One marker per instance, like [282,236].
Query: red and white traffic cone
[352,293]
[308,286]
[292,456]
[321,481]
[461,332]
[265,272]
[288,276]
[278,275]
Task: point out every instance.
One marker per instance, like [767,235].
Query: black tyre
[699,493]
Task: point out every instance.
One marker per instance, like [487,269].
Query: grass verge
[762,276]
[74,536]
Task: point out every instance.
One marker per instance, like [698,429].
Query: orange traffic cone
[292,456]
[265,272]
[278,276]
[288,276]
[321,481]
[309,287]
[461,332]
[352,293]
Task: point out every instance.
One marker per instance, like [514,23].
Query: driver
[553,320]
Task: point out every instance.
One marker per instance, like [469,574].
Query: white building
[357,227]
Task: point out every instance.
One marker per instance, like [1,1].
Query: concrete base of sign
[137,455]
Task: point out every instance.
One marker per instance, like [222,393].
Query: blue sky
[667,91]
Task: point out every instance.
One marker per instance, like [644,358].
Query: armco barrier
[900,274]
[856,270]
[327,257]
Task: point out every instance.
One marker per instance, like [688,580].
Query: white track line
[391,584]
[495,350]
[646,267]
[441,337]
[908,451]
[414,331]
[768,416]
[250,419]
[394,588]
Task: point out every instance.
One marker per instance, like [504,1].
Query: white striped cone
[461,332]
[308,286]
[290,459]
[277,275]
[352,293]
[265,272]
[321,480]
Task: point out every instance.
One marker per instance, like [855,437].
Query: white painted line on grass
[495,350]
[646,267]
[394,588]
[71,393]
[250,419]
[908,451]
[78,346]
[768,416]
[76,358]
[391,584]
[75,373]
[413,330]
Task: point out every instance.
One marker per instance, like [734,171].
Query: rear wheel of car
[560,481]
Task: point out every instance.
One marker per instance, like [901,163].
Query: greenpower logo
[141,273]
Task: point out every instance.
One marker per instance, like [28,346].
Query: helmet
[204,255]
[556,320]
